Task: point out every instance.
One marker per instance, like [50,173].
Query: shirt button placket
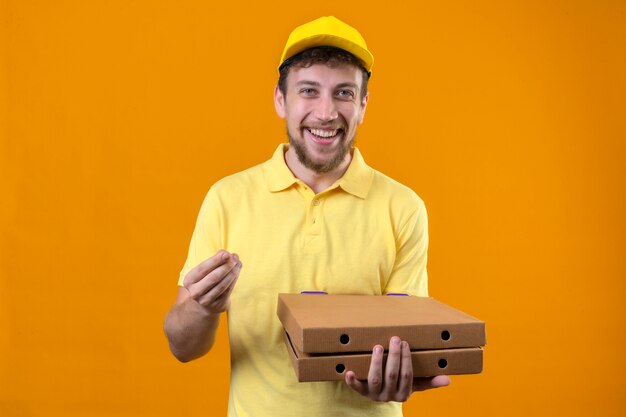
[315,203]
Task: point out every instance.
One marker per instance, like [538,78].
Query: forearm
[190,330]
[191,324]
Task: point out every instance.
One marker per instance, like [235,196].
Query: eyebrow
[316,84]
[342,85]
[313,83]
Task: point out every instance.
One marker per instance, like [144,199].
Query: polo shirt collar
[358,177]
[277,173]
[357,180]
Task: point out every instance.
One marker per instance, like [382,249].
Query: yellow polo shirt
[366,234]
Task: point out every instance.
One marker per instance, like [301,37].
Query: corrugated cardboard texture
[425,363]
[355,323]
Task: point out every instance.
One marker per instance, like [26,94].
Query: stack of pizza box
[328,335]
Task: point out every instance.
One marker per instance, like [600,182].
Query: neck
[317,181]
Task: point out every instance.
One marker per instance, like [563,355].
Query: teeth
[323,133]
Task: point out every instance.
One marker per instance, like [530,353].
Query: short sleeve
[206,239]
[409,275]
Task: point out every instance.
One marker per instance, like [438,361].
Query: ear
[364,101]
[279,103]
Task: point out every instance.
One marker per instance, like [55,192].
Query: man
[314,217]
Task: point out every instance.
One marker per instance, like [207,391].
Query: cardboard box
[356,323]
[425,363]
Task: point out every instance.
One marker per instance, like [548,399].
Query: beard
[324,167]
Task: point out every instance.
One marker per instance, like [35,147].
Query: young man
[313,217]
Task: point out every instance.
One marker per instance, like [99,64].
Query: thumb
[422,384]
[355,384]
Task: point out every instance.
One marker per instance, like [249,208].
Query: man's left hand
[395,382]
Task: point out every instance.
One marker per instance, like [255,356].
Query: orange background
[508,118]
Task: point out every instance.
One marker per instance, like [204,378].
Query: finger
[220,293]
[355,384]
[440,381]
[227,291]
[392,368]
[422,384]
[375,375]
[236,262]
[215,284]
[235,273]
[206,266]
[222,303]
[405,379]
[213,279]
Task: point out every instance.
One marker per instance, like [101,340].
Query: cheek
[355,119]
[296,114]
[361,114]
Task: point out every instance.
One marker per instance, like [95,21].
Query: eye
[345,93]
[308,91]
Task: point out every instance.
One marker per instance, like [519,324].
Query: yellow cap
[328,31]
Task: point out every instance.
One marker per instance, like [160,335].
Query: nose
[326,110]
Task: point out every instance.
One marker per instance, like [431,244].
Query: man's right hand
[211,282]
[191,324]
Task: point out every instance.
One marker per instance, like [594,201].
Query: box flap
[356,323]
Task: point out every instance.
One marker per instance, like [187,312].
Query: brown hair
[328,55]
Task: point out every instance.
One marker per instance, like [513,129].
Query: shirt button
[316,202]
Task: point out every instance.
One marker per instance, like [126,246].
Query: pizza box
[338,324]
[426,363]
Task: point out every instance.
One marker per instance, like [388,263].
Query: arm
[191,323]
[394,381]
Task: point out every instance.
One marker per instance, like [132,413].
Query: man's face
[322,108]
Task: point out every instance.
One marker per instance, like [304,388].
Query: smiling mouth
[325,135]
